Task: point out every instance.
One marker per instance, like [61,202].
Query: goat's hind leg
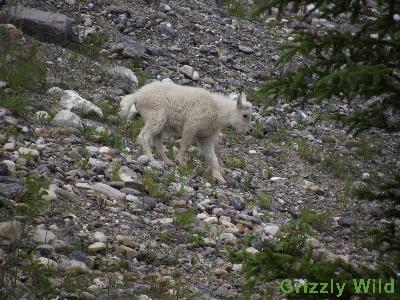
[158,149]
[186,141]
[145,140]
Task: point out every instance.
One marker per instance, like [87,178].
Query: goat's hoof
[219,178]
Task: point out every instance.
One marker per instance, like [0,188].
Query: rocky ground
[114,225]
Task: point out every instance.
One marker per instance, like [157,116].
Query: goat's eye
[245,116]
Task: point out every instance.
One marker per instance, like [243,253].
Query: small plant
[337,165]
[264,200]
[151,183]
[232,136]
[368,148]
[115,141]
[184,219]
[197,239]
[16,103]
[235,163]
[187,169]
[257,130]
[107,108]
[141,75]
[318,221]
[247,183]
[84,164]
[235,8]
[132,128]
[170,144]
[25,70]
[115,171]
[169,178]
[92,45]
[308,152]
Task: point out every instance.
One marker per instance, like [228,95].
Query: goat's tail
[128,107]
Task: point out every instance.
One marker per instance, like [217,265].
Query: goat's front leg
[207,149]
[186,141]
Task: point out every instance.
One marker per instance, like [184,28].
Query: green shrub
[184,219]
[16,103]
[21,69]
[289,257]
[92,45]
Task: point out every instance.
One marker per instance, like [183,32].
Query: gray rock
[209,49]
[47,26]
[346,221]
[73,267]
[169,260]
[11,186]
[132,48]
[66,118]
[143,160]
[168,30]
[46,250]
[123,78]
[246,49]
[97,247]
[78,255]
[189,72]
[268,124]
[99,237]
[228,237]
[43,236]
[130,191]
[237,203]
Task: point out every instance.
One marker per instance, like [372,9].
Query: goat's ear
[239,101]
[243,97]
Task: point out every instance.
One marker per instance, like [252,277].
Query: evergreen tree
[360,61]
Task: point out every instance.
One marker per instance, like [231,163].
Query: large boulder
[72,101]
[46,26]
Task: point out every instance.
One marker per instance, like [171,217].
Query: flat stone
[108,191]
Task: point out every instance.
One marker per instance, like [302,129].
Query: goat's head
[241,119]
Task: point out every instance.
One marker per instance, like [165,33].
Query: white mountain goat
[194,113]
